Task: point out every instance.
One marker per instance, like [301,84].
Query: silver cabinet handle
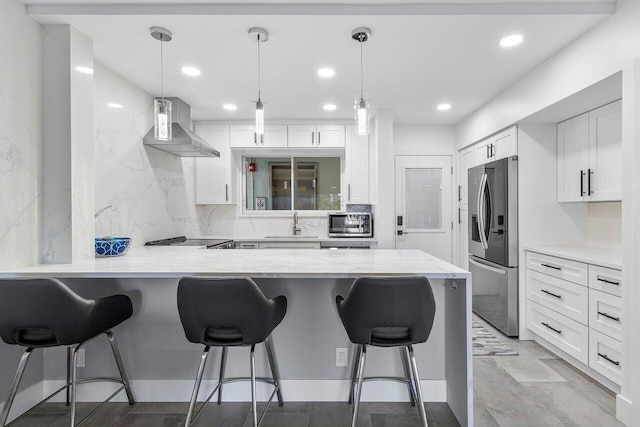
[349,192]
[313,138]
[459,193]
[255,138]
[581,183]
[226,192]
[318,138]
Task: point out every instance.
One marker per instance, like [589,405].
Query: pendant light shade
[161,106]
[362,105]
[259,35]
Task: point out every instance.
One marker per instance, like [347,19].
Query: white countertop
[169,261]
[610,258]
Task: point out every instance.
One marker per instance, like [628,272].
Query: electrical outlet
[341,356]
[81,358]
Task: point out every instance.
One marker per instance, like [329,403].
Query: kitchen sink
[290,237]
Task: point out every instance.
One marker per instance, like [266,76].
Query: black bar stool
[388,312]
[229,312]
[39,313]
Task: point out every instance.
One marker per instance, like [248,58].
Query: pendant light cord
[361,73]
[258,67]
[162,66]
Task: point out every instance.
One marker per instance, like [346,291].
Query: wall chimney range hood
[184,142]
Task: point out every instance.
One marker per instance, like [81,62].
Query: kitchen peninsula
[162,364]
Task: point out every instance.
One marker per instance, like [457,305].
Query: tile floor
[534,388]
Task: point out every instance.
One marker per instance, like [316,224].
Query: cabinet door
[214,174]
[505,144]
[605,153]
[483,154]
[243,136]
[303,136]
[357,167]
[573,159]
[275,136]
[330,136]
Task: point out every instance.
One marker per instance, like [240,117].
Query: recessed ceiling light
[444,107]
[85,70]
[230,107]
[114,105]
[326,72]
[329,107]
[512,40]
[191,71]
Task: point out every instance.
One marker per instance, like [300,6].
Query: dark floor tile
[228,414]
[527,420]
[392,408]
[397,420]
[151,420]
[281,419]
[52,408]
[42,420]
[337,414]
[441,414]
[170,408]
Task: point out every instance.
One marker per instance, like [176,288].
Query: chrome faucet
[296,228]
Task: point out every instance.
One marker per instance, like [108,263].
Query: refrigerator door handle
[487,267]
[481,218]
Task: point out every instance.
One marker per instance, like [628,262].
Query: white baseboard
[25,399]
[292,391]
[623,409]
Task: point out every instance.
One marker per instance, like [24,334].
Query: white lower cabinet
[605,355]
[566,334]
[577,307]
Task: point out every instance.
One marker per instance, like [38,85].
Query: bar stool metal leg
[196,387]
[274,369]
[14,386]
[361,363]
[254,409]
[68,374]
[123,372]
[354,372]
[223,362]
[406,363]
[74,384]
[416,378]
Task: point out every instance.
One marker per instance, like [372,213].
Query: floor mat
[485,343]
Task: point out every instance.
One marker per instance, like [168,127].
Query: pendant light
[362,105]
[161,106]
[259,35]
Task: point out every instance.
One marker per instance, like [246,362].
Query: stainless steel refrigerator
[493,242]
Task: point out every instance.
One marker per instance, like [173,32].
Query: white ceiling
[412,63]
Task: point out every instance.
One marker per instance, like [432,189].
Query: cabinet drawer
[561,268]
[605,313]
[566,298]
[289,245]
[566,334]
[605,356]
[605,279]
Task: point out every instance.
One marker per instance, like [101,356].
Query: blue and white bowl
[115,246]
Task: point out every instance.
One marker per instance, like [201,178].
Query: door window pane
[423,199]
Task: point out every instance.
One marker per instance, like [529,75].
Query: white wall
[20,161]
[604,225]
[424,140]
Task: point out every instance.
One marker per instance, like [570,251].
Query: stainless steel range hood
[184,142]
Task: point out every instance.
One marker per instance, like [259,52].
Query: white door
[605,153]
[214,180]
[357,167]
[423,204]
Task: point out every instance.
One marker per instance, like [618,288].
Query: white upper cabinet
[499,146]
[605,153]
[357,167]
[589,156]
[214,175]
[312,136]
[573,158]
[244,136]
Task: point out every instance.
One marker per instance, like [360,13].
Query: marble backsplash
[152,193]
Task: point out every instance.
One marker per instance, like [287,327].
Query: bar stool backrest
[41,312]
[227,311]
[388,311]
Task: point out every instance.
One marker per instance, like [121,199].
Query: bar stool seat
[388,312]
[229,312]
[41,313]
